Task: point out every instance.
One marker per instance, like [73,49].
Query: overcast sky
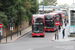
[69,2]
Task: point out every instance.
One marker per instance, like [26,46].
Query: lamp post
[43,6]
[11,23]
[11,26]
[20,17]
[20,22]
[35,6]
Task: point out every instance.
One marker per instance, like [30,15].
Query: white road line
[29,49]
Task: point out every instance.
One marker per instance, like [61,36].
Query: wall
[6,31]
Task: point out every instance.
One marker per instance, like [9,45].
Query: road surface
[27,42]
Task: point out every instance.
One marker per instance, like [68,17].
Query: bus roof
[37,15]
[51,14]
[57,11]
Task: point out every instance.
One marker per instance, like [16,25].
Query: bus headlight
[61,19]
[33,32]
[45,27]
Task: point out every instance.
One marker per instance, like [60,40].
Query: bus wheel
[42,36]
[46,31]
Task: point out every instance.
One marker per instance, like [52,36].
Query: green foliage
[49,2]
[3,19]
[63,5]
[15,9]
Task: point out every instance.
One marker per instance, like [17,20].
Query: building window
[72,17]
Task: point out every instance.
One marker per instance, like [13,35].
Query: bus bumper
[49,30]
[38,34]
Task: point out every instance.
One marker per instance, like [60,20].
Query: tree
[63,5]
[49,2]
[12,8]
[3,19]
[32,7]
[52,2]
[6,8]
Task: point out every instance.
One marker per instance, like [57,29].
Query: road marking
[23,36]
[29,49]
[51,36]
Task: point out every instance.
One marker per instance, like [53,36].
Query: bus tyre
[42,36]
[32,36]
[46,31]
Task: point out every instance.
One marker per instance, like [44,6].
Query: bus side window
[55,18]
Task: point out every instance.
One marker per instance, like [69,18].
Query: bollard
[17,33]
[6,37]
[20,31]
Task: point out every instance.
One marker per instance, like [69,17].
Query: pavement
[15,37]
[60,35]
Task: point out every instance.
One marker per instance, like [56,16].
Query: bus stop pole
[17,30]
[11,35]
[0,37]
[6,37]
[57,33]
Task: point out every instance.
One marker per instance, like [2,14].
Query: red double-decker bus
[61,16]
[38,25]
[49,20]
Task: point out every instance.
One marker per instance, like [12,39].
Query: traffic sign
[57,23]
[58,9]
[1,25]
[11,28]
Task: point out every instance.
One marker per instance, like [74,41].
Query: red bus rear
[49,20]
[38,25]
[61,17]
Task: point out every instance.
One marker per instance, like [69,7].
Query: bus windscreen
[48,17]
[49,23]
[38,25]
[38,28]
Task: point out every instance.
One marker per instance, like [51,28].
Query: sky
[69,2]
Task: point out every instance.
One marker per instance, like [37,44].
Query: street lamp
[20,16]
[43,6]
[35,6]
[11,23]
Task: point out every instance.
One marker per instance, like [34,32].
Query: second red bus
[49,20]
